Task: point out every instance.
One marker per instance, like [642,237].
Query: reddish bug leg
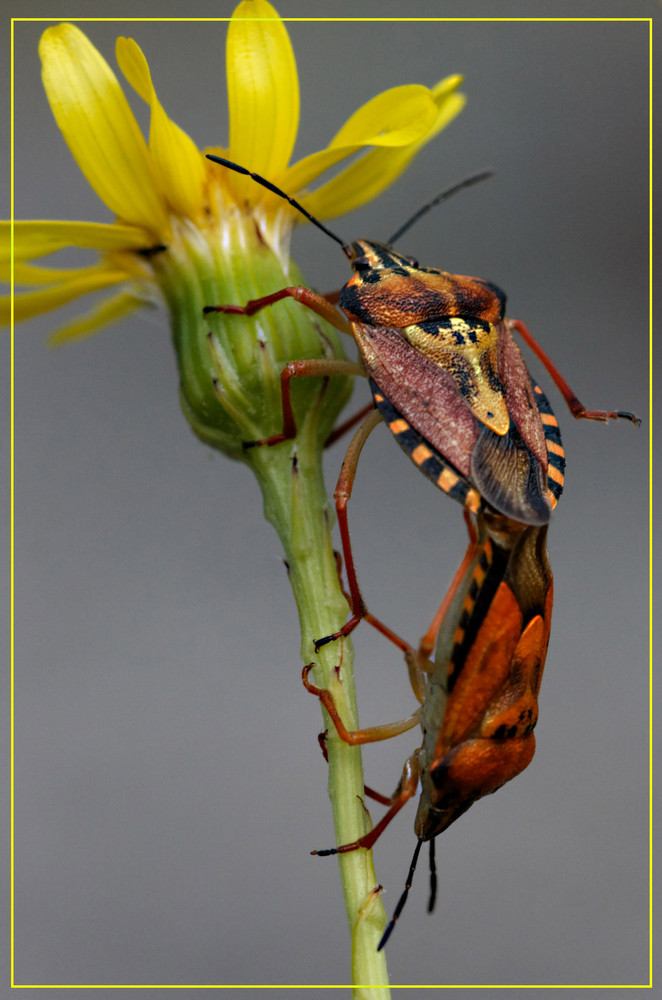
[384,800]
[347,425]
[404,792]
[392,636]
[426,644]
[342,493]
[311,366]
[308,366]
[409,781]
[370,792]
[577,408]
[418,661]
[357,737]
[312,300]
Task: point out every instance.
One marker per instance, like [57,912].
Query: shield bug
[446,376]
[480,694]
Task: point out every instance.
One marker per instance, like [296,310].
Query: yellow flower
[188,233]
[160,188]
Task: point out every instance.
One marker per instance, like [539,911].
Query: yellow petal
[263,96]
[396,117]
[108,311]
[449,103]
[447,86]
[368,177]
[174,153]
[100,129]
[392,118]
[34,303]
[31,274]
[36,238]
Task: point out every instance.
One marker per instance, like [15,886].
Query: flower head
[190,234]
[184,228]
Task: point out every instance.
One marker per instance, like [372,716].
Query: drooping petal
[394,117]
[449,104]
[36,238]
[397,117]
[263,95]
[106,312]
[99,127]
[174,152]
[368,177]
[34,303]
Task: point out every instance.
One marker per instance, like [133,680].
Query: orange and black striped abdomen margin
[555,453]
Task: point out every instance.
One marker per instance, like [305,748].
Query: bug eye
[412,261]
[361,264]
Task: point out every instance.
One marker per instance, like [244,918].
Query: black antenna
[467,182]
[403,898]
[281,194]
[433,878]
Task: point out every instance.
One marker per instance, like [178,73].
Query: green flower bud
[230,364]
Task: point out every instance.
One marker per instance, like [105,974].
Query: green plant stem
[296,505]
[230,393]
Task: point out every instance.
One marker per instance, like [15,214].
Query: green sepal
[230,365]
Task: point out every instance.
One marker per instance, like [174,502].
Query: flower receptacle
[230,364]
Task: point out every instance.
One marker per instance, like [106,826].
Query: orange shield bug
[445,374]
[480,695]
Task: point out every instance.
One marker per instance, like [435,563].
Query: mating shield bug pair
[448,379]
[479,697]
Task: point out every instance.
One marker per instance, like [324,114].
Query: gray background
[169,784]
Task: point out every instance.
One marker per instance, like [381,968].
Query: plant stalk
[290,477]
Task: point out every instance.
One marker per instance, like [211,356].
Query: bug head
[368,256]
